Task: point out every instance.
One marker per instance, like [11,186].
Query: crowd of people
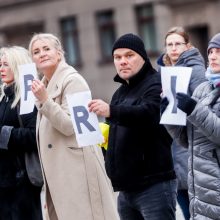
[146,168]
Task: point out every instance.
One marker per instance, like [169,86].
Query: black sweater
[139,153]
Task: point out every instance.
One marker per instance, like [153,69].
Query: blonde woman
[19,197]
[75,180]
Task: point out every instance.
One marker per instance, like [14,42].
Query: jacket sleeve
[58,113]
[24,138]
[147,110]
[206,121]
[179,133]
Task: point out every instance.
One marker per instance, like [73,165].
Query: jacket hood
[160,60]
[190,57]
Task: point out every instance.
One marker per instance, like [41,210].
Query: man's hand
[99,107]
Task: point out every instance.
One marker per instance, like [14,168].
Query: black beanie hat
[132,42]
[214,42]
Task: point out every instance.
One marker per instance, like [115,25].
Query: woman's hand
[39,90]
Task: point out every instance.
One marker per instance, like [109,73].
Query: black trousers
[20,202]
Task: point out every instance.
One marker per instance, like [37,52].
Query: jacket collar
[145,70]
[54,86]
[9,90]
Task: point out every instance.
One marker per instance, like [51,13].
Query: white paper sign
[85,123]
[27,73]
[174,80]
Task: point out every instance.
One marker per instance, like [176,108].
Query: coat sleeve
[147,110]
[206,121]
[24,138]
[58,113]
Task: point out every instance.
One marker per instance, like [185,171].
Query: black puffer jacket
[139,153]
[14,141]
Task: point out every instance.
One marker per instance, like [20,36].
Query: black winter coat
[139,153]
[14,141]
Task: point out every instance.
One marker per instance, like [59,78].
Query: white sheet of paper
[85,123]
[27,72]
[174,80]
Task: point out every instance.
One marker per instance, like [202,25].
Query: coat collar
[134,80]
[54,86]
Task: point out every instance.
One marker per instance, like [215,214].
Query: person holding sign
[138,158]
[19,194]
[203,138]
[76,185]
[180,53]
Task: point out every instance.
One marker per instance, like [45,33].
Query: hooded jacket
[189,58]
[138,153]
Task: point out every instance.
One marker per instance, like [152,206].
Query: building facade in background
[88,29]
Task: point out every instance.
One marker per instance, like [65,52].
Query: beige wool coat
[76,184]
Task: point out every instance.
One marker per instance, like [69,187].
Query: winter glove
[185,103]
[163,105]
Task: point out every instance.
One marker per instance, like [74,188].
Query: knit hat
[132,42]
[214,42]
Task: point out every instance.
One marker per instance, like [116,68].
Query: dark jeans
[183,200]
[157,202]
[20,202]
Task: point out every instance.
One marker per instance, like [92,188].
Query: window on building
[106,29]
[70,41]
[199,38]
[146,27]
[4,3]
[22,37]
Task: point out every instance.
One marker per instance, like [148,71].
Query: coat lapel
[54,86]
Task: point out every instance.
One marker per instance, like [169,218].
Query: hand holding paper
[39,90]
[174,79]
[185,103]
[27,73]
[85,123]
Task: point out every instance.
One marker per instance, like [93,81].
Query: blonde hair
[15,56]
[50,37]
[180,31]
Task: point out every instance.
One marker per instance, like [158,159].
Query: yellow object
[105,131]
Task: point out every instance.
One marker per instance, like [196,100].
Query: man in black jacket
[138,159]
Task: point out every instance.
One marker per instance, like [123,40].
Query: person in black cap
[202,136]
[138,160]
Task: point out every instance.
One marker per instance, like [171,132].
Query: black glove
[185,103]
[163,105]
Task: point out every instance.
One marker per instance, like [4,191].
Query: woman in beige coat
[76,184]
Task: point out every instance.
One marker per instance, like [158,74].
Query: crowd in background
[150,165]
